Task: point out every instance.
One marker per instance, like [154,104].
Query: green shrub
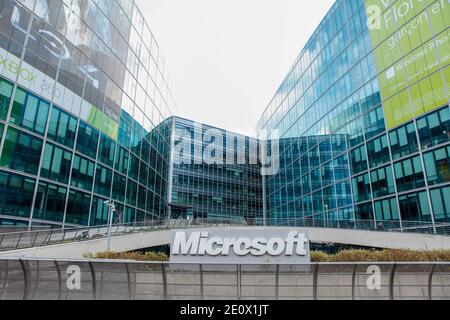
[135,256]
[388,255]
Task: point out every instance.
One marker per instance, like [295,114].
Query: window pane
[50,202]
[437,164]
[378,151]
[62,127]
[87,140]
[107,150]
[374,122]
[16,195]
[403,141]
[21,151]
[82,173]
[434,128]
[78,208]
[409,174]
[382,182]
[359,160]
[103,180]
[99,212]
[415,208]
[361,188]
[119,187]
[29,112]
[56,163]
[131,195]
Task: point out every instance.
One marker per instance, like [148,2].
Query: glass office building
[364,119]
[215,175]
[84,91]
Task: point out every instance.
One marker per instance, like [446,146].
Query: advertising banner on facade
[411,49]
[67,49]
[243,246]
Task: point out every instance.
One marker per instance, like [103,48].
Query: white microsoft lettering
[199,244]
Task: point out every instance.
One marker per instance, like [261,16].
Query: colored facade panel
[412,46]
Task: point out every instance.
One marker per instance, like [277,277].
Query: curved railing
[39,238]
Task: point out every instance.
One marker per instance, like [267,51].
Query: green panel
[104,123]
[406,53]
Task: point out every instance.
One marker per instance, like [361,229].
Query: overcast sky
[228,57]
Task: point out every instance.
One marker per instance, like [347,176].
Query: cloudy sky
[228,57]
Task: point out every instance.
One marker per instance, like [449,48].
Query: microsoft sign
[246,246]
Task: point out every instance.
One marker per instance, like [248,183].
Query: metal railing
[368,225]
[129,280]
[41,238]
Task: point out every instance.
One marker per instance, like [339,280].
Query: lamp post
[111,209]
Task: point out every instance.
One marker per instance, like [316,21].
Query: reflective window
[440,199]
[6,89]
[142,194]
[327,174]
[364,212]
[415,208]
[378,151]
[78,208]
[119,187]
[99,212]
[409,174]
[437,165]
[361,188]
[106,150]
[341,167]
[403,141]
[130,215]
[29,112]
[103,180]
[359,159]
[56,163]
[382,182]
[21,151]
[50,202]
[133,171]
[87,140]
[374,122]
[16,195]
[329,198]
[131,195]
[62,127]
[82,173]
[386,210]
[434,128]
[122,159]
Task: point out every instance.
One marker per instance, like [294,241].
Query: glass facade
[364,117]
[84,91]
[85,116]
[213,174]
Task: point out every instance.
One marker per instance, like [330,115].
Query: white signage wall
[246,246]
